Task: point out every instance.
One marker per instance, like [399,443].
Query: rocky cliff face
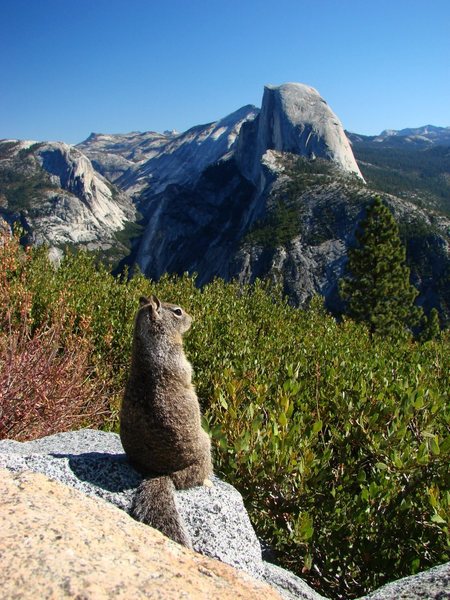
[294,118]
[229,199]
[145,164]
[296,230]
[53,189]
[302,241]
[198,215]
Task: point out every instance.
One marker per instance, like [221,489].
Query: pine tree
[431,327]
[376,288]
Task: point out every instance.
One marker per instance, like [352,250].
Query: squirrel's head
[160,318]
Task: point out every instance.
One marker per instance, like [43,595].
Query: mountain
[140,162]
[280,199]
[273,192]
[53,190]
[418,137]
[294,118]
[200,192]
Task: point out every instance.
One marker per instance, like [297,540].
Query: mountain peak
[292,88]
[295,118]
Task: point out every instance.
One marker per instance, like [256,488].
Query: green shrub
[339,441]
[339,444]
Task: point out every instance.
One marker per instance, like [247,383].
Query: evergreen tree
[431,328]
[376,288]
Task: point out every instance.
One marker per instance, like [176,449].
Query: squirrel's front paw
[208,483]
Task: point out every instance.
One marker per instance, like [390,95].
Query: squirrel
[160,423]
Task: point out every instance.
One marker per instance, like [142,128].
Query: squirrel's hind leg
[200,470]
[195,474]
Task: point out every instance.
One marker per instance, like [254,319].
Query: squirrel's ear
[143,301]
[156,302]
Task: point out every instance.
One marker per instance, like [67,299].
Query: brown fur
[160,425]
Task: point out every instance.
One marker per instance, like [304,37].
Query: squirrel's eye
[178,312]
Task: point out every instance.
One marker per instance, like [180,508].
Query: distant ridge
[425,136]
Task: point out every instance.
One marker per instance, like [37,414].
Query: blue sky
[72,67]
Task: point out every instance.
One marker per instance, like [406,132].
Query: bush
[339,444]
[46,383]
[338,441]
[45,390]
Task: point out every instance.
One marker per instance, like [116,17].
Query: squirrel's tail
[154,504]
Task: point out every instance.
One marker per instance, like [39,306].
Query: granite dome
[295,118]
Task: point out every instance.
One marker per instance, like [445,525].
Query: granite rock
[57,543]
[94,463]
[295,118]
[433,584]
[69,201]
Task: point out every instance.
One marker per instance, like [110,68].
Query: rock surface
[66,200]
[226,226]
[149,162]
[93,462]
[202,190]
[57,543]
[295,118]
[433,584]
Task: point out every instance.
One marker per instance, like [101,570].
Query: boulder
[433,584]
[93,462]
[58,543]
